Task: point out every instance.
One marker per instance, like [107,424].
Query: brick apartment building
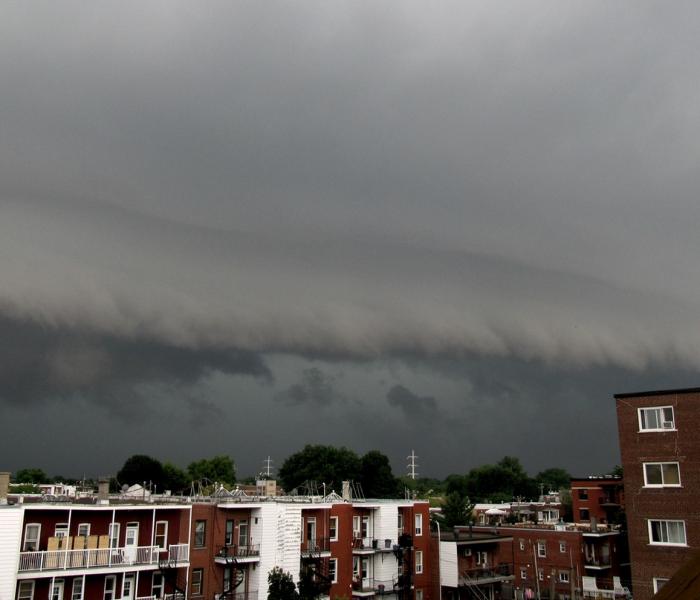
[660,452]
[597,499]
[217,548]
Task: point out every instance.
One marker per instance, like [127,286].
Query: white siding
[11,519]
[448,564]
[386,528]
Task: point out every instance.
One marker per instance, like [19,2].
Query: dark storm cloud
[315,388]
[416,408]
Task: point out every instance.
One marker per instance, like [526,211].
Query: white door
[128,587]
[131,541]
[366,583]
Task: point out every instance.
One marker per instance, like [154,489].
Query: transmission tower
[412,465]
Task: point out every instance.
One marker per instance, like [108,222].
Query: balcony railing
[487,574]
[51,560]
[238,551]
[177,554]
[364,543]
[315,546]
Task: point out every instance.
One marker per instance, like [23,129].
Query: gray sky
[229,227]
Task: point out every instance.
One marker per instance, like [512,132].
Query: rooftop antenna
[267,469]
[412,465]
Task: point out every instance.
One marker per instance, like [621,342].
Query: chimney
[347,492]
[103,491]
[4,486]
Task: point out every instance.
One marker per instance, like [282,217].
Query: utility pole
[267,470]
[412,465]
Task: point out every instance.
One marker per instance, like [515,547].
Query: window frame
[229,531]
[659,580]
[36,541]
[581,517]
[200,537]
[418,558]
[114,531]
[662,484]
[521,544]
[333,524]
[164,535]
[564,577]
[81,591]
[23,596]
[562,547]
[60,530]
[113,591]
[418,524]
[523,573]
[84,527]
[642,411]
[333,570]
[541,549]
[157,586]
[684,543]
[197,577]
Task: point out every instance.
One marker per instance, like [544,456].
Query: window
[61,530]
[84,529]
[419,524]
[158,585]
[31,537]
[161,536]
[77,589]
[662,474]
[25,590]
[541,548]
[670,533]
[523,573]
[228,539]
[540,575]
[419,594]
[227,580]
[659,582]
[57,590]
[355,567]
[197,576]
[356,526]
[563,577]
[333,570]
[584,514]
[419,562]
[400,523]
[243,533]
[656,418]
[114,535]
[482,558]
[583,494]
[562,547]
[522,544]
[110,586]
[333,529]
[200,534]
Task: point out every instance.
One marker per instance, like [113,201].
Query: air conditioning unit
[668,424]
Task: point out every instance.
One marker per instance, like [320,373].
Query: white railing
[51,560]
[178,553]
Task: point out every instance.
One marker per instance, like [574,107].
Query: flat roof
[693,390]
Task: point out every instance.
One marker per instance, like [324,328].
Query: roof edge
[693,390]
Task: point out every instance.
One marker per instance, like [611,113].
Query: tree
[554,479]
[281,585]
[218,468]
[457,510]
[376,477]
[33,475]
[139,468]
[324,464]
[175,479]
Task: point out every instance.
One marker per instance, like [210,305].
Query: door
[366,583]
[57,590]
[311,533]
[128,587]
[131,542]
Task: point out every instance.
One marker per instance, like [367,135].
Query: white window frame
[523,573]
[229,535]
[84,527]
[522,544]
[110,594]
[666,543]
[333,529]
[57,587]
[157,589]
[164,535]
[419,594]
[541,549]
[22,594]
[419,562]
[563,577]
[60,530]
[562,547]
[666,425]
[659,582]
[540,575]
[661,465]
[418,524]
[199,572]
[399,523]
[482,558]
[356,526]
[113,533]
[78,582]
[196,542]
[36,541]
[333,571]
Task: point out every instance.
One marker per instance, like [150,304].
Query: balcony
[487,575]
[178,555]
[238,553]
[597,563]
[100,558]
[364,545]
[316,548]
[369,587]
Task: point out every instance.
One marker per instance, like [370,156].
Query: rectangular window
[114,535]
[84,529]
[659,582]
[158,585]
[200,534]
[583,494]
[563,577]
[228,539]
[668,533]
[419,562]
[562,547]
[662,474]
[110,587]
[522,544]
[419,594]
[356,526]
[77,589]
[227,580]
[482,558]
[356,567]
[61,530]
[161,536]
[25,590]
[57,590]
[541,549]
[540,575]
[31,537]
[584,514]
[400,523]
[419,524]
[656,418]
[197,576]
[523,573]
[333,529]
[333,570]
[243,533]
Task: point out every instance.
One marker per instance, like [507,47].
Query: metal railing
[319,544]
[364,543]
[239,551]
[50,560]
[178,553]
[501,570]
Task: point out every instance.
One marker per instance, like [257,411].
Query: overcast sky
[241,227]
